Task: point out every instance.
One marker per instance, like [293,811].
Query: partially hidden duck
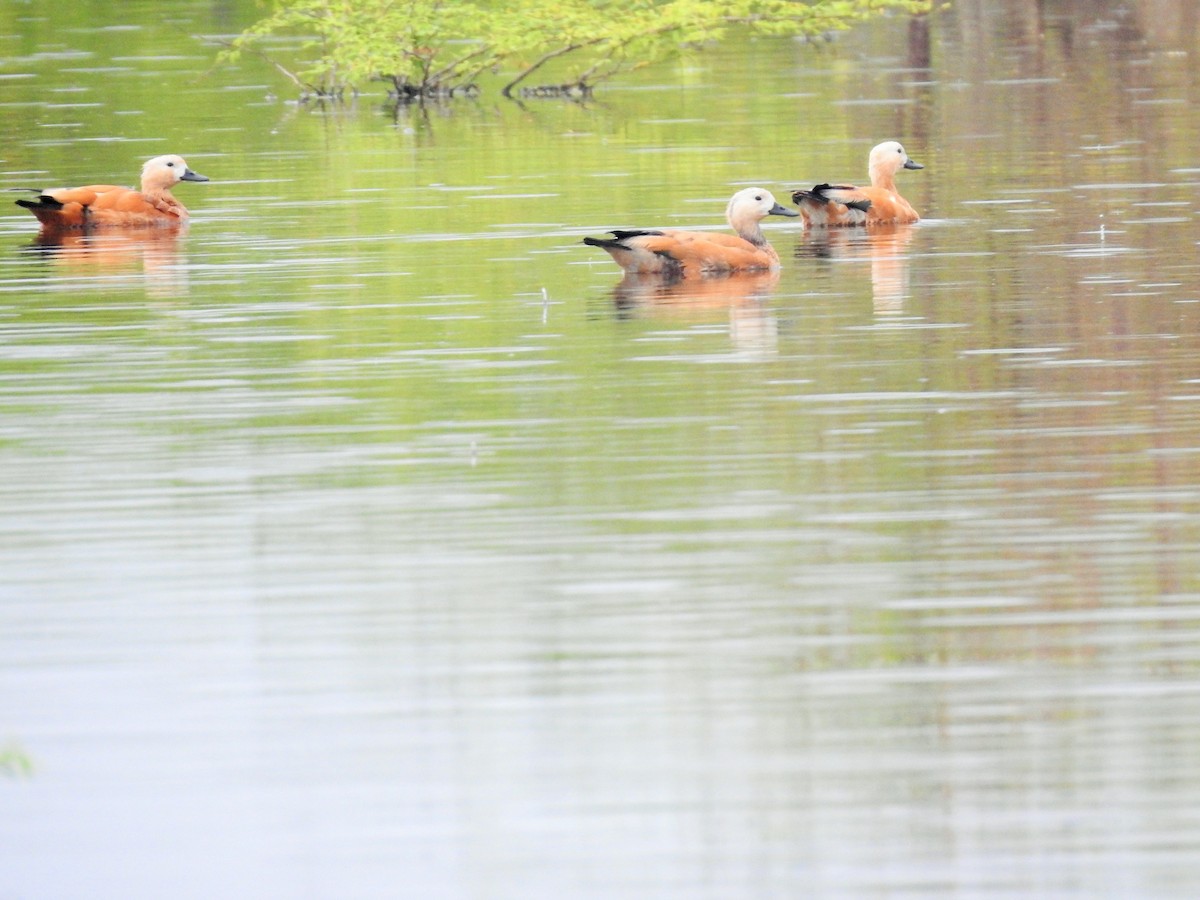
[110,204]
[676,253]
[846,204]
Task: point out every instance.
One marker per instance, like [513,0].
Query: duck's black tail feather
[618,236]
[40,202]
[819,194]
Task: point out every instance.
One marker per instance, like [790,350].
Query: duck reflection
[153,253]
[753,327]
[884,246]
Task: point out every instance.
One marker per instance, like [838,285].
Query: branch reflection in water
[884,246]
[753,327]
[152,253]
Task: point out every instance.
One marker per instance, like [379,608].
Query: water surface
[375,538]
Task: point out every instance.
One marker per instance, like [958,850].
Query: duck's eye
[758,196]
[171,164]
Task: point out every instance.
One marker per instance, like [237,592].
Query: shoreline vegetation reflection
[431,50]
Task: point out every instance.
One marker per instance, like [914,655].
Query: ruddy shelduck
[676,253]
[846,204]
[109,204]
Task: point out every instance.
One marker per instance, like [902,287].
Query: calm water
[375,539]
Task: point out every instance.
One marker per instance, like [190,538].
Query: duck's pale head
[750,206]
[891,157]
[164,172]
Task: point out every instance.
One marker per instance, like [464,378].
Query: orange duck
[108,204]
[676,253]
[845,204]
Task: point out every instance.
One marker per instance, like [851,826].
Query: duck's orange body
[110,204]
[847,204]
[676,253]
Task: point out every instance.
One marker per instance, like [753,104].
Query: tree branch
[287,73]
[547,57]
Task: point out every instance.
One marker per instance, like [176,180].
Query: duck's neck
[155,185]
[883,177]
[750,231]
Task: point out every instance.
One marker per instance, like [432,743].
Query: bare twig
[547,57]
[287,73]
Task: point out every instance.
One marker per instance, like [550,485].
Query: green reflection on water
[410,283]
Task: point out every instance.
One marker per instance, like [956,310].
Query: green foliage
[417,47]
[15,762]
[427,48]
